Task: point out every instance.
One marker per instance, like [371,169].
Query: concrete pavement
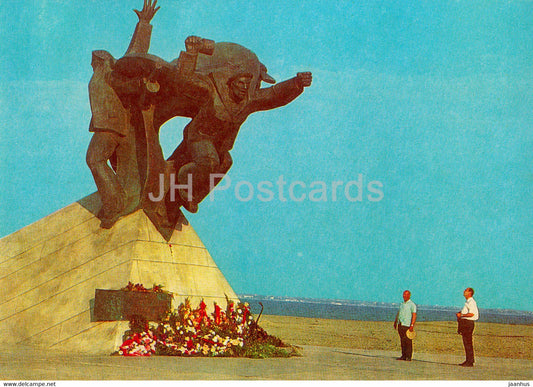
[317,363]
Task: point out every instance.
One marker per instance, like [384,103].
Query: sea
[370,311]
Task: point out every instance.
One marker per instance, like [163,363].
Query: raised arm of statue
[190,83]
[140,42]
[282,93]
[148,11]
[186,62]
[194,45]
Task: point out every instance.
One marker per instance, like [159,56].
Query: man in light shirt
[405,321]
[465,319]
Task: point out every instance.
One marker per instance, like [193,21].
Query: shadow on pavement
[393,358]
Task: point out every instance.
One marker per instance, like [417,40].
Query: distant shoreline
[370,311]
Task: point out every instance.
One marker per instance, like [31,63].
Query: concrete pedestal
[50,269]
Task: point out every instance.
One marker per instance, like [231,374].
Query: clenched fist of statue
[305,78]
[195,45]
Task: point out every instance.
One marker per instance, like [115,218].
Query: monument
[133,229]
[217,85]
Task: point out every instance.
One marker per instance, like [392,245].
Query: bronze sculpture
[216,85]
[116,125]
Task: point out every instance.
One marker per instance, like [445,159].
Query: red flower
[217,314]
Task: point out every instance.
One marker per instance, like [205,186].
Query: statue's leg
[225,164]
[127,171]
[156,166]
[101,148]
[223,168]
[205,162]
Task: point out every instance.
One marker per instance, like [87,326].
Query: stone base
[50,269]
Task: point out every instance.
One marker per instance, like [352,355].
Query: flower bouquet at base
[190,331]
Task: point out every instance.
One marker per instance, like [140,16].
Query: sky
[410,156]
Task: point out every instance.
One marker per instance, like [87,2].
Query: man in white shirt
[465,319]
[405,321]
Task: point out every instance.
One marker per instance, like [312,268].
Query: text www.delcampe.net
[29,384]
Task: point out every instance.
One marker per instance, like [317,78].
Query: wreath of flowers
[131,287]
[195,332]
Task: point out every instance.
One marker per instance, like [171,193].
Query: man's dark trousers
[407,343]
[467,329]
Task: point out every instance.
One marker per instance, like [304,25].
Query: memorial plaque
[119,305]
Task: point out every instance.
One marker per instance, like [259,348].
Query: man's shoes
[400,358]
[466,364]
[407,359]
